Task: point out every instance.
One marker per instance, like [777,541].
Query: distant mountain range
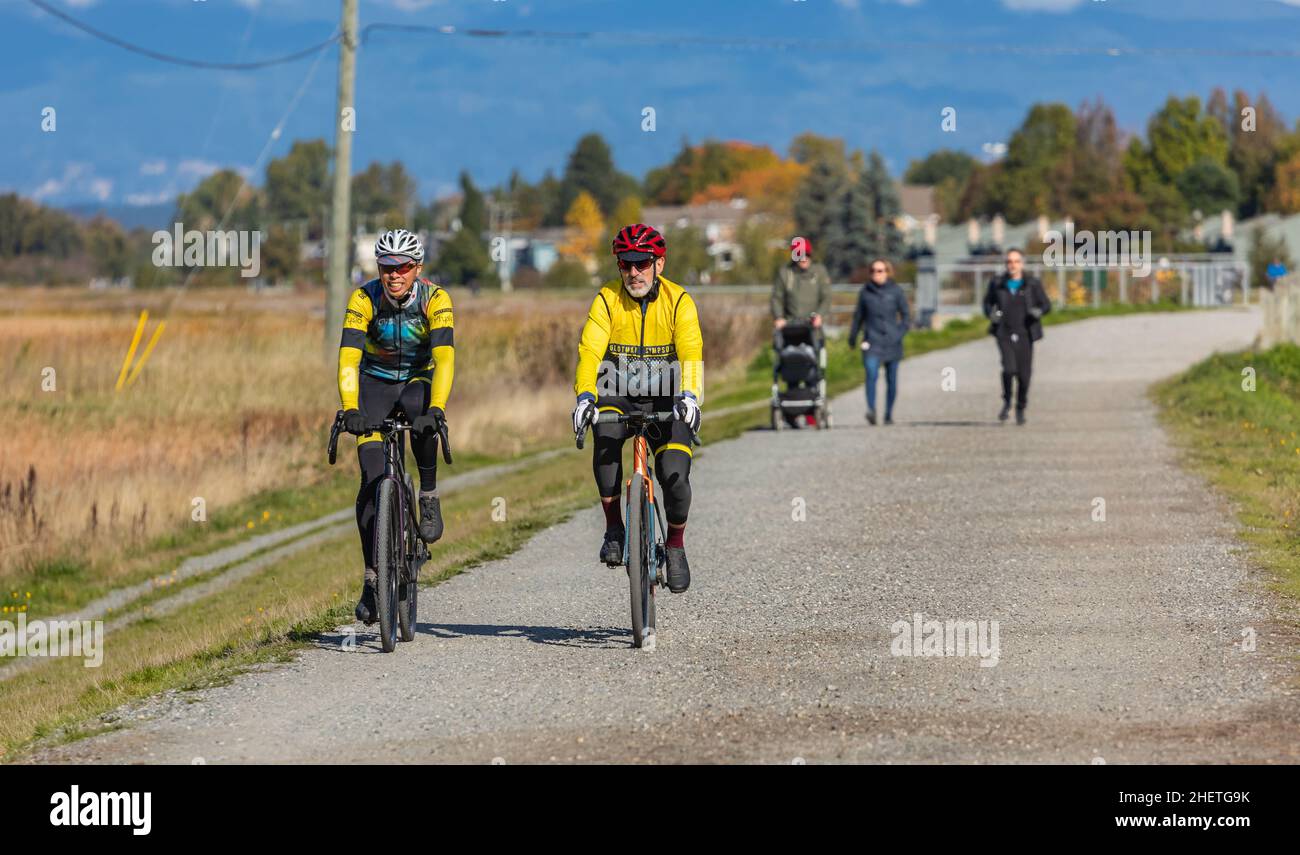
[130,216]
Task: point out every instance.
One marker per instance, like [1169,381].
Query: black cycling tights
[379,399]
[672,464]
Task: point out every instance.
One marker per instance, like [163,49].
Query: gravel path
[1117,639]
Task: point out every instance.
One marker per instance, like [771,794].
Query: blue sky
[134,131]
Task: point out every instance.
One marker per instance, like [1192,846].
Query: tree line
[1194,159]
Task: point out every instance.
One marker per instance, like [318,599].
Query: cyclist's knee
[371,457]
[674,468]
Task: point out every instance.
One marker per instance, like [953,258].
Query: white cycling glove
[584,412]
[687,409]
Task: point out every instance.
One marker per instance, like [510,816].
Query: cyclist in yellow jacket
[395,357]
[641,349]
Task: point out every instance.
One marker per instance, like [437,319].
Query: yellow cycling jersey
[410,342]
[641,348]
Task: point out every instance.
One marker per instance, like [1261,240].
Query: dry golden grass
[237,398]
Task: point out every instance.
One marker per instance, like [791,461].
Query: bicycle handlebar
[624,418]
[386,426]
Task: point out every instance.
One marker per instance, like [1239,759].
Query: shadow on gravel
[596,637]
[987,423]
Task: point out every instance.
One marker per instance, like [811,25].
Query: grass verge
[1243,440]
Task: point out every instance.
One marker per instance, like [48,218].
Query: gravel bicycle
[643,542]
[399,552]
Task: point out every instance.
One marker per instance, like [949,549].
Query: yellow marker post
[144,357]
[130,354]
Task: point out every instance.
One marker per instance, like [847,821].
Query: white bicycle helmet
[398,245]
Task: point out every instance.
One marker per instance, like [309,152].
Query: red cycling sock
[613,512]
[676,533]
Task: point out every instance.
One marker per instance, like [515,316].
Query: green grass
[1246,444]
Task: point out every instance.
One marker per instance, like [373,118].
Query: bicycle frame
[641,466]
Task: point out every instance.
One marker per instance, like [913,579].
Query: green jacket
[796,293]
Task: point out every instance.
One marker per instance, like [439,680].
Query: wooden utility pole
[338,282]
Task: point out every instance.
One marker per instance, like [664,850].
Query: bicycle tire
[640,582]
[408,589]
[388,561]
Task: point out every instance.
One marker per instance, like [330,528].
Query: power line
[677,40]
[180,60]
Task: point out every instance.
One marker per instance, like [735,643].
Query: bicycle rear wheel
[640,566]
[389,555]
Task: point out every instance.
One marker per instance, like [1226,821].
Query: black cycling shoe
[679,572]
[611,549]
[367,612]
[1006,411]
[430,519]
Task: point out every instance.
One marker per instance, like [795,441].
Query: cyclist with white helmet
[396,356]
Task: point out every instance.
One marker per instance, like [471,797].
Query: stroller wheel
[778,419]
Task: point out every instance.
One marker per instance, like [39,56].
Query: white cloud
[197,168]
[153,167]
[78,178]
[72,172]
[140,199]
[1041,5]
[101,188]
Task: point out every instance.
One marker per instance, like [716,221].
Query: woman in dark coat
[1015,304]
[883,318]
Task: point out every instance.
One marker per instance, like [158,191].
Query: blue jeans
[872,364]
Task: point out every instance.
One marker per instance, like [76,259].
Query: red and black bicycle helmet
[638,242]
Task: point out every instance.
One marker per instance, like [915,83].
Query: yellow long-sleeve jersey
[641,348]
[413,341]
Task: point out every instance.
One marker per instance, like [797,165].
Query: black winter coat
[883,318]
[1015,308]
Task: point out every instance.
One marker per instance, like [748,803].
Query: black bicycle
[399,552]
[643,544]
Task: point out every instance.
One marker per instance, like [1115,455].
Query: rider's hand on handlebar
[354,422]
[584,412]
[430,422]
[687,409]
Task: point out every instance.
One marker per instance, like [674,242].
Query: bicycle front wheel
[640,566]
[408,589]
[388,561]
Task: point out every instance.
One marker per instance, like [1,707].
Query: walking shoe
[611,548]
[366,611]
[871,416]
[1020,415]
[889,420]
[679,572]
[430,518]
[1006,411]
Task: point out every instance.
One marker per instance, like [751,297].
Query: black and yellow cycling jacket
[392,343]
[662,328]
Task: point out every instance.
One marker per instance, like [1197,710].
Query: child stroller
[799,378]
